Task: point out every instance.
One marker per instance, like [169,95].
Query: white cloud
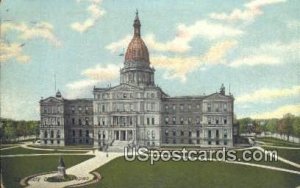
[251,11]
[268,54]
[255,60]
[218,51]
[293,24]
[279,112]
[95,13]
[93,76]
[107,73]
[185,34]
[12,51]
[267,94]
[179,67]
[116,47]
[176,67]
[42,30]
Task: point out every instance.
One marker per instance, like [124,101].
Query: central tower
[137,70]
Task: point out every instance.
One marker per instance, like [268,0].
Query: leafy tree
[296,126]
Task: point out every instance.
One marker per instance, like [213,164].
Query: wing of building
[137,112]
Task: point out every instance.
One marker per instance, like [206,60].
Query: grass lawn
[75,147]
[268,161]
[278,142]
[16,168]
[120,173]
[20,150]
[289,154]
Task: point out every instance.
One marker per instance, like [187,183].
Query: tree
[296,126]
[288,124]
[271,125]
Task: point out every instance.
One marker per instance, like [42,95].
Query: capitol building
[137,112]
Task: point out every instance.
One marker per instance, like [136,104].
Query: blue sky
[195,46]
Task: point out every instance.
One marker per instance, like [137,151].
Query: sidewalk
[81,171]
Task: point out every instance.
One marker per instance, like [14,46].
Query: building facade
[137,112]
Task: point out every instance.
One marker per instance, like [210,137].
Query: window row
[125,95]
[85,121]
[80,109]
[217,107]
[182,107]
[181,120]
[52,109]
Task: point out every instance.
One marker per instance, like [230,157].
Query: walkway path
[81,171]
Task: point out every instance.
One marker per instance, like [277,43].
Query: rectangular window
[174,120]
[209,120]
[73,121]
[209,133]
[181,121]
[190,133]
[79,122]
[209,107]
[225,120]
[189,120]
[148,121]
[217,133]
[167,120]
[166,108]
[174,107]
[174,133]
[198,133]
[181,107]
[225,133]
[166,133]
[153,121]
[86,121]
[189,107]
[182,133]
[197,120]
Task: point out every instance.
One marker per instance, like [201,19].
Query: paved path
[81,171]
[280,158]
[265,167]
[42,154]
[10,147]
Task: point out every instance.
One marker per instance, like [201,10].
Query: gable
[51,100]
[217,97]
[124,87]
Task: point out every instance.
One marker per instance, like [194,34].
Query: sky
[252,46]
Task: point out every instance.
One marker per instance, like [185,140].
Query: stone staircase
[118,146]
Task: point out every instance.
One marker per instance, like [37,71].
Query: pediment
[124,87]
[51,100]
[217,96]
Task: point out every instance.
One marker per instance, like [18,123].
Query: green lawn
[270,162]
[120,173]
[278,142]
[289,154]
[75,147]
[16,168]
[20,150]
